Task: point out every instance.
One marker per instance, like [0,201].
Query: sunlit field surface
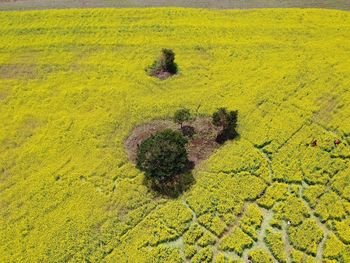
[73,86]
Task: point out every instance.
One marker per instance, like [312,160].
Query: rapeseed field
[73,86]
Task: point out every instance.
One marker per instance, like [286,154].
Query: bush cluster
[163,156]
[164,64]
[228,121]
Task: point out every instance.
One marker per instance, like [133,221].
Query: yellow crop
[73,86]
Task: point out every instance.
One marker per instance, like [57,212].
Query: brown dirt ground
[163,75]
[199,148]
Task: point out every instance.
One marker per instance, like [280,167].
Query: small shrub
[163,155]
[164,66]
[182,116]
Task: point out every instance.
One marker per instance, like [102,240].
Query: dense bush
[164,64]
[228,121]
[163,155]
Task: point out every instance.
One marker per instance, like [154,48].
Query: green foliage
[228,121]
[182,116]
[165,63]
[163,155]
[224,118]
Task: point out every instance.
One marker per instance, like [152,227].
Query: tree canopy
[163,155]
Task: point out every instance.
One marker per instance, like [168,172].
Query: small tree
[228,121]
[182,116]
[164,64]
[163,155]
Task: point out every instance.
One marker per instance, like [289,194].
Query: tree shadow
[174,187]
[226,135]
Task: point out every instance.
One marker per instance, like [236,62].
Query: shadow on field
[226,135]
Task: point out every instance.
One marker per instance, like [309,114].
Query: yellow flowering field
[73,86]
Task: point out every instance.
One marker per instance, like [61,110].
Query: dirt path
[215,4]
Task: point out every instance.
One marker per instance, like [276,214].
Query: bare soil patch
[200,146]
[163,75]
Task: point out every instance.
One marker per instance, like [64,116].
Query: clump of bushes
[164,66]
[227,120]
[163,155]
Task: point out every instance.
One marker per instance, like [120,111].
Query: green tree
[228,121]
[163,155]
[182,116]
